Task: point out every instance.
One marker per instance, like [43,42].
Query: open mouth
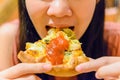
[70,27]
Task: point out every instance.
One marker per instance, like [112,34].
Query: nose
[59,8]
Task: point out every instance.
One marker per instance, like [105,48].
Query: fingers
[28,77]
[25,77]
[111,70]
[94,65]
[4,79]
[25,68]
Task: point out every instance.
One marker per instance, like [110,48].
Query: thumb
[25,68]
[94,65]
[111,70]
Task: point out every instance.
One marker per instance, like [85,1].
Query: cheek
[34,6]
[86,11]
[84,17]
[37,10]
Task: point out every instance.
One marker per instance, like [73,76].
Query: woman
[86,19]
[71,13]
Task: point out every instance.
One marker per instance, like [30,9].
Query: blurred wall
[8,10]
[112,10]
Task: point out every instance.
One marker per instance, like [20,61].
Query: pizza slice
[59,48]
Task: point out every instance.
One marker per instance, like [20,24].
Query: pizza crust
[62,70]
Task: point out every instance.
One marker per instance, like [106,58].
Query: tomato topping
[56,48]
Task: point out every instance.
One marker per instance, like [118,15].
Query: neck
[65,78]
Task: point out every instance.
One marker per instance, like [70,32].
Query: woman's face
[75,14]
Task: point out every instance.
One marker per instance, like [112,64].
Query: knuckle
[34,77]
[104,60]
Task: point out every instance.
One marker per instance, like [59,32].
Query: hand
[26,77]
[109,71]
[24,71]
[105,67]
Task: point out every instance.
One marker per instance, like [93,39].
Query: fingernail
[47,67]
[78,69]
[97,76]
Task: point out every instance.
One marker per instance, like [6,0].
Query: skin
[6,40]
[50,12]
[8,70]
[24,71]
[60,14]
[105,67]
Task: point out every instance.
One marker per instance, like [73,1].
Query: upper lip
[60,26]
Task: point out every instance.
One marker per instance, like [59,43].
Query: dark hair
[92,40]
